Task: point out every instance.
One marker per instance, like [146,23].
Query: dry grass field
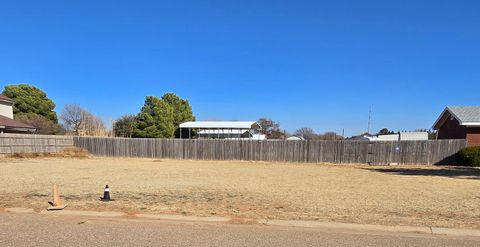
[408,195]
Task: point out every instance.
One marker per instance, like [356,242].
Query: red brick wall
[473,136]
[451,129]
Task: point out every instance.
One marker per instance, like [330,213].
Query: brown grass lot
[408,195]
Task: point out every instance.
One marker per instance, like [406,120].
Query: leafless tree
[330,136]
[306,133]
[270,128]
[72,118]
[43,125]
[92,125]
[81,122]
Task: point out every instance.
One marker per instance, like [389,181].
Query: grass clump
[72,152]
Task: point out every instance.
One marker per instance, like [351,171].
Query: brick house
[459,122]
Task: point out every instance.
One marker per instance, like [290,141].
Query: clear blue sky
[320,64]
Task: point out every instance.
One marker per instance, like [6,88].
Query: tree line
[159,117]
[271,129]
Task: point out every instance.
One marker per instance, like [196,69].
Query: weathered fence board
[18,143]
[405,152]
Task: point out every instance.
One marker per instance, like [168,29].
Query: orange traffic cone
[56,204]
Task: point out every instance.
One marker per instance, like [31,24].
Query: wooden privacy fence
[404,152]
[18,143]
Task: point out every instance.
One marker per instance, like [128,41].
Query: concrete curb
[455,232]
[20,210]
[349,226]
[84,213]
[287,223]
[182,217]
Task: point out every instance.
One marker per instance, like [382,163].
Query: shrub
[470,156]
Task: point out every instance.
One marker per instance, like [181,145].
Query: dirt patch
[413,195]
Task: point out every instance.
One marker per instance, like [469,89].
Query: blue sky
[320,64]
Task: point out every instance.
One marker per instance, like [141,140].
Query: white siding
[404,136]
[413,136]
[6,110]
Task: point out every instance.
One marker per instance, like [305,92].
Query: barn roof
[465,115]
[220,125]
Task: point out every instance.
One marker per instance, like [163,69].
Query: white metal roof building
[222,129]
[295,138]
[404,136]
[220,125]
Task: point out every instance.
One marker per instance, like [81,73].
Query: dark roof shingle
[6,99]
[10,123]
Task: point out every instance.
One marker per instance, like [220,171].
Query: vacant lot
[433,196]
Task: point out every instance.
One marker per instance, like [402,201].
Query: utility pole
[369,119]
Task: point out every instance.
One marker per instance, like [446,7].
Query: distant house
[388,137]
[362,137]
[402,136]
[413,136]
[223,130]
[7,123]
[459,122]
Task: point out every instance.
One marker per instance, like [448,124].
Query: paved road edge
[288,223]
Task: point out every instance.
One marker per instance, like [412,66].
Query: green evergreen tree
[30,100]
[182,111]
[155,119]
[33,107]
